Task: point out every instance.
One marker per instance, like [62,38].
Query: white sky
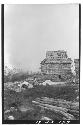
[31,30]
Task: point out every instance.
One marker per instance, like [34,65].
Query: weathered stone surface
[56,62]
[64,110]
[45,118]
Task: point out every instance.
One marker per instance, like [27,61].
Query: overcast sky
[31,30]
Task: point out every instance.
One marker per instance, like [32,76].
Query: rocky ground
[49,102]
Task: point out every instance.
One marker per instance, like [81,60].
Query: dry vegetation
[53,102]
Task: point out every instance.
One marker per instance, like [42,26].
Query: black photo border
[2,71]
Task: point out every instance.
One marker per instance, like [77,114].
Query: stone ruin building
[56,63]
[76,62]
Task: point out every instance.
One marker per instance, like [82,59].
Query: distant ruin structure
[76,61]
[56,62]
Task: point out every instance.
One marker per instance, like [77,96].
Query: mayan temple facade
[56,62]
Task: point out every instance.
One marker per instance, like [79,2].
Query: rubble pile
[49,82]
[63,110]
[17,86]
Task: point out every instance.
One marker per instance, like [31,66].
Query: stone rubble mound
[64,110]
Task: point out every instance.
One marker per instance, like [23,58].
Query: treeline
[36,76]
[19,76]
[15,77]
